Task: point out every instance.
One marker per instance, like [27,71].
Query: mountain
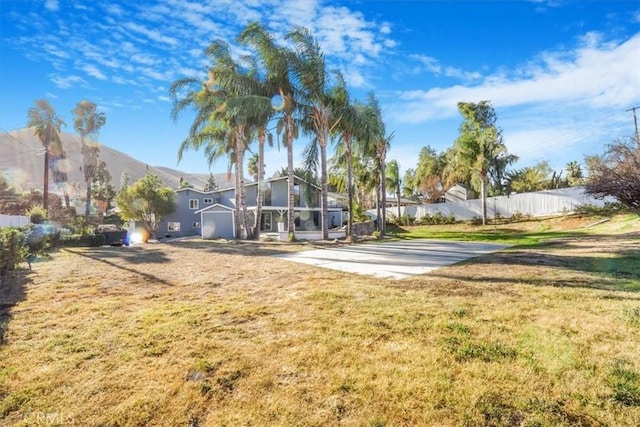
[22,158]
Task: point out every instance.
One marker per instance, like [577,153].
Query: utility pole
[635,122]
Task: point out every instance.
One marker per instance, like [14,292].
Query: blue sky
[560,73]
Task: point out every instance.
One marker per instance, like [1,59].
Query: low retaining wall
[363,228]
[283,236]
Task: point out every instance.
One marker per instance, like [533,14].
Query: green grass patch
[624,381]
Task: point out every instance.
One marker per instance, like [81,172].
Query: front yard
[203,333]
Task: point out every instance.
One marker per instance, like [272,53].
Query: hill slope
[21,162]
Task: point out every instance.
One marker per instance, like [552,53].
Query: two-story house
[210,215]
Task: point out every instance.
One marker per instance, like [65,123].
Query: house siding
[279,193]
[185,215]
[218,222]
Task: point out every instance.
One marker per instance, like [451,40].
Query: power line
[20,142]
[635,122]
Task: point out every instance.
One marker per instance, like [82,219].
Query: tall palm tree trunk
[290,177]
[260,190]
[45,195]
[347,142]
[324,189]
[383,192]
[241,194]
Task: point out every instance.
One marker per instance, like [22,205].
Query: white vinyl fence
[537,204]
[13,220]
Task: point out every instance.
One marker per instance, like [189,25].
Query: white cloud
[595,75]
[432,65]
[154,35]
[164,98]
[51,5]
[114,9]
[67,82]
[93,71]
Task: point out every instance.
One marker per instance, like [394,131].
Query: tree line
[87,121]
[286,91]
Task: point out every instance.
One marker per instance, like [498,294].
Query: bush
[82,240]
[37,214]
[437,219]
[609,209]
[517,217]
[13,249]
[476,220]
[41,237]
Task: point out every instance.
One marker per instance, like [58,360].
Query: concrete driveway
[397,260]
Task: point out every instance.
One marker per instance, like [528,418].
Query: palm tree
[227,110]
[253,166]
[377,143]
[316,104]
[259,109]
[87,122]
[212,128]
[275,62]
[478,147]
[59,169]
[574,174]
[394,182]
[46,126]
[346,130]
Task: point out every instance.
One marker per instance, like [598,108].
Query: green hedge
[13,248]
[82,240]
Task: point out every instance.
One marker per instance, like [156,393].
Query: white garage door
[217,225]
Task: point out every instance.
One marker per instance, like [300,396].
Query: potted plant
[280,221]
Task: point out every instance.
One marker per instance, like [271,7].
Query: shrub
[37,214]
[40,237]
[82,240]
[608,209]
[13,249]
[476,220]
[517,217]
[406,219]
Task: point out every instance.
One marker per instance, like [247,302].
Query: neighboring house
[459,192]
[392,201]
[210,215]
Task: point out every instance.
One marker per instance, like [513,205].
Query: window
[207,201]
[195,225]
[296,195]
[267,194]
[194,203]
[266,221]
[173,226]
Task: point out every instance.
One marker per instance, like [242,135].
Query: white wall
[13,220]
[537,204]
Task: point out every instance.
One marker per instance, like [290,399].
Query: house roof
[247,184]
[403,201]
[208,208]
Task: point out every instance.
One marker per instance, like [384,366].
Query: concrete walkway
[397,260]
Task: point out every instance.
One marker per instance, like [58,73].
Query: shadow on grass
[620,272]
[101,255]
[501,235]
[233,247]
[130,254]
[12,290]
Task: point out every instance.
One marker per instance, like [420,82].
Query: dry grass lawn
[206,334]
